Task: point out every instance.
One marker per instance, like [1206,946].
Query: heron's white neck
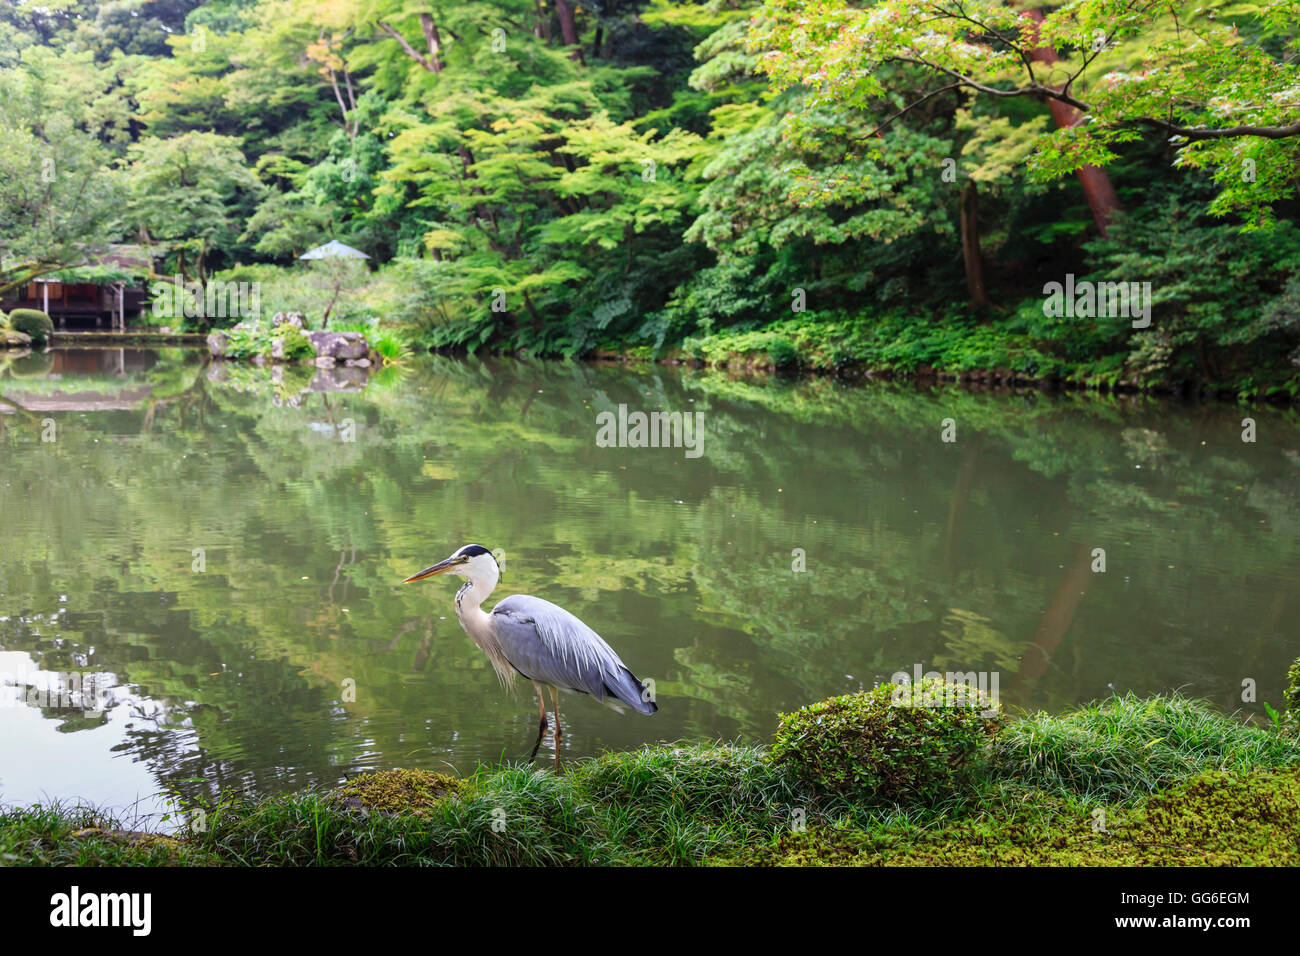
[480,580]
[481,576]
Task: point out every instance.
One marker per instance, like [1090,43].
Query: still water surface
[202,546]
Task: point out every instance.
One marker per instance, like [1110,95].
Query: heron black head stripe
[473,550]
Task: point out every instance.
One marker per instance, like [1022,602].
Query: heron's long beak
[439,568]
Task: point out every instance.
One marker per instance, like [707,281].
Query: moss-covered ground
[1164,781]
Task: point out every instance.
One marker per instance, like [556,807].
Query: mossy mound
[152,843]
[925,743]
[398,791]
[1215,819]
[33,322]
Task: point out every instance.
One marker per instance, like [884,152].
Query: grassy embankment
[1164,781]
[1021,349]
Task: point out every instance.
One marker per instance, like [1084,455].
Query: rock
[277,349]
[289,318]
[259,360]
[13,339]
[324,361]
[358,363]
[217,344]
[340,345]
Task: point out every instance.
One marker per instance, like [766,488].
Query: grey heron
[538,640]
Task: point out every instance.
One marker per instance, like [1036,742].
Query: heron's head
[473,562]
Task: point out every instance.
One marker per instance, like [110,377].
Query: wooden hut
[104,291]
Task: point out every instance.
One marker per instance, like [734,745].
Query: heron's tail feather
[625,686]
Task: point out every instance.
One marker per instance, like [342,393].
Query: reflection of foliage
[970,640]
[684,566]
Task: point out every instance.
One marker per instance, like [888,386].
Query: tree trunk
[568,28]
[1097,187]
[970,245]
[432,40]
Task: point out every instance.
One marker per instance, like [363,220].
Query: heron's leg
[555,711]
[541,730]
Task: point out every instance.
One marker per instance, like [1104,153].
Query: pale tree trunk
[432,40]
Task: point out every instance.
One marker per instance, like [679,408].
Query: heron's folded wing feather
[546,643]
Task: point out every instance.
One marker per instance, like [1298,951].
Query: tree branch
[411,51]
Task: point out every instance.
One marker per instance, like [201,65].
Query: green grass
[1173,781]
[1126,747]
[391,342]
[74,835]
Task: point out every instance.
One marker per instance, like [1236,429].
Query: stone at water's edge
[13,339]
[217,344]
[339,346]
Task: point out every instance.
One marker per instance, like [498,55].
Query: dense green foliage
[889,742]
[250,338]
[654,174]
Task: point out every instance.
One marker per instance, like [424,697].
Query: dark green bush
[895,743]
[34,322]
[783,353]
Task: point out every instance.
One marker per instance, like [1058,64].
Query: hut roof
[332,250]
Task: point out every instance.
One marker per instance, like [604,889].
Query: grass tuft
[1127,747]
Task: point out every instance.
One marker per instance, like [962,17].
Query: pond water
[200,562]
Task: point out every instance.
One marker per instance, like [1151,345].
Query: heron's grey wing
[546,643]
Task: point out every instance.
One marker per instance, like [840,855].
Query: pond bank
[1128,781]
[1005,352]
[127,339]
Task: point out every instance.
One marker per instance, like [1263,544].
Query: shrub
[295,343]
[867,744]
[34,322]
[783,353]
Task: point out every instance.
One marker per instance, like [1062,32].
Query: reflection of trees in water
[953,556]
